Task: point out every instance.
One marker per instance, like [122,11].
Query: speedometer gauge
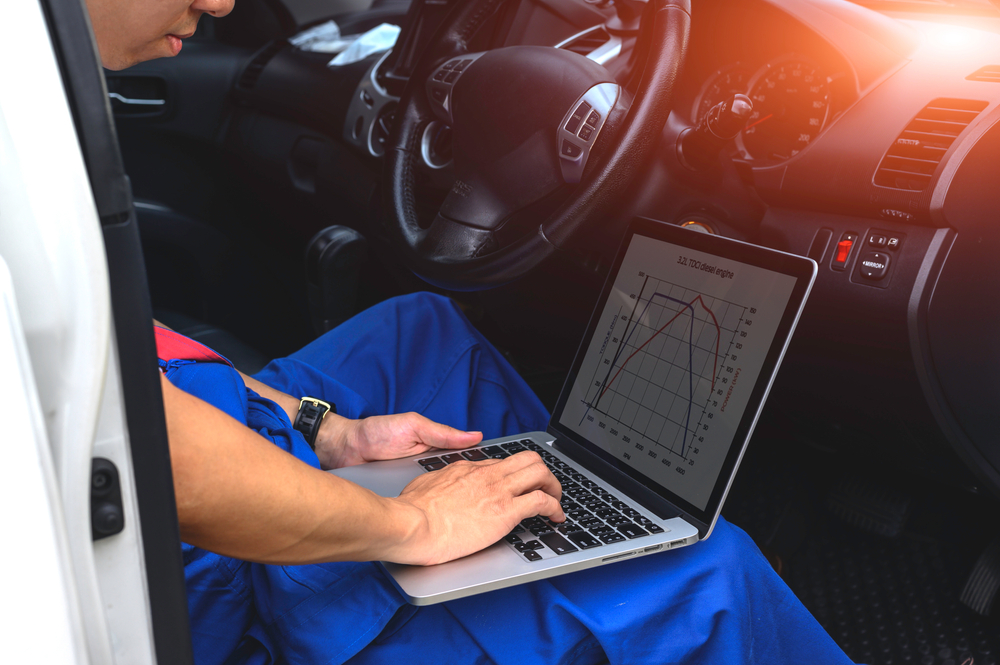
[791,100]
[723,85]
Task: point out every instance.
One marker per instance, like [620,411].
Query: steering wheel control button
[443,80]
[842,253]
[583,122]
[874,265]
[571,149]
[574,121]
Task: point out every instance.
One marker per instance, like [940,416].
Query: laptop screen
[678,357]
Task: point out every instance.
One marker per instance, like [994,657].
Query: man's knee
[418,310]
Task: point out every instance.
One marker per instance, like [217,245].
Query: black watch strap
[310,417]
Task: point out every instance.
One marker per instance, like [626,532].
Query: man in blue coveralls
[278,554]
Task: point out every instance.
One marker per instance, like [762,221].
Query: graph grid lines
[657,374]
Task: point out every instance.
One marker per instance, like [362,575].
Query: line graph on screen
[663,362]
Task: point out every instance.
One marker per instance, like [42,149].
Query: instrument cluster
[791,95]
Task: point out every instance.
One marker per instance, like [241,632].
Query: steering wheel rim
[459,257]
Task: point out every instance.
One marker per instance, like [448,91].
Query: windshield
[958,6]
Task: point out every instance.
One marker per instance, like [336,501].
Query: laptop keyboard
[594,516]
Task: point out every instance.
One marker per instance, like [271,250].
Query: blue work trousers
[715,602]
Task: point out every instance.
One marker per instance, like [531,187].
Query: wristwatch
[310,417]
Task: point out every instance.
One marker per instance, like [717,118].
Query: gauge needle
[754,124]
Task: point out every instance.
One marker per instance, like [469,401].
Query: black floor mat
[885,601]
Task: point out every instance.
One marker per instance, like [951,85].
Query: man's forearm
[239,495]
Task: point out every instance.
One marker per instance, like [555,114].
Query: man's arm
[239,495]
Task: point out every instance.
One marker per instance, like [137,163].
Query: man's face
[131,31]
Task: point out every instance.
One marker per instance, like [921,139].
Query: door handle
[136,102]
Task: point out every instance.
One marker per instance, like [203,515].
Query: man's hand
[343,442]
[468,506]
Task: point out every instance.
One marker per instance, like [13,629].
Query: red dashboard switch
[843,253]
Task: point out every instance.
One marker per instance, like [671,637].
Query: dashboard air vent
[587,42]
[596,44]
[989,74]
[912,159]
[248,79]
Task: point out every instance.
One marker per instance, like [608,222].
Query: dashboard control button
[892,242]
[586,132]
[593,118]
[874,265]
[876,240]
[571,149]
[842,253]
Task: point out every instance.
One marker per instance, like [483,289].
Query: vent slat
[910,162]
[988,74]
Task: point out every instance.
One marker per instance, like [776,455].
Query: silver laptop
[653,419]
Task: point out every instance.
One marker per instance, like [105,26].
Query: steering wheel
[528,122]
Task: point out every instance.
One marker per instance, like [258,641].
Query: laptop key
[517,529]
[532,555]
[557,543]
[492,450]
[540,529]
[429,460]
[534,544]
[529,522]
[654,528]
[436,466]
[569,528]
[584,540]
[632,530]
[474,455]
[612,538]
[601,529]
[454,457]
[617,521]
[513,539]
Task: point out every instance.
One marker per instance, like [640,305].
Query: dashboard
[872,148]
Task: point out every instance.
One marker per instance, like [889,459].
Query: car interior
[277,194]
